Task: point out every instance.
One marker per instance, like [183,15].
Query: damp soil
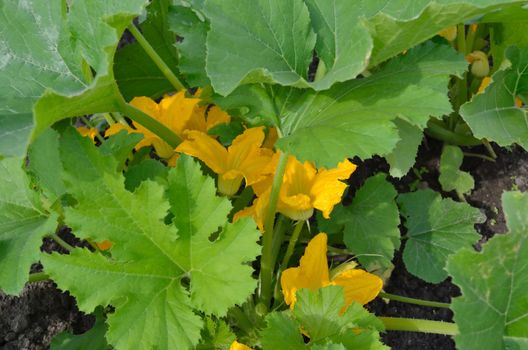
[32,319]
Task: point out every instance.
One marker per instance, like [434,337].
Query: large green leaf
[356,118]
[436,229]
[319,314]
[189,24]
[151,261]
[44,50]
[371,223]
[273,42]
[23,224]
[396,25]
[94,339]
[135,72]
[506,35]
[493,113]
[493,284]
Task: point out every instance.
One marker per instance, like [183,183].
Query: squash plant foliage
[201,157]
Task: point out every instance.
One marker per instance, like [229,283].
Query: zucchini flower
[449,34]
[178,113]
[358,285]
[238,346]
[479,63]
[244,159]
[304,188]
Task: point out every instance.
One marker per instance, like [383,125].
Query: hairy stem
[413,300]
[150,123]
[266,272]
[291,244]
[167,72]
[421,326]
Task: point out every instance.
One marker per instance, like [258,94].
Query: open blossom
[87,132]
[303,189]
[178,113]
[243,159]
[358,285]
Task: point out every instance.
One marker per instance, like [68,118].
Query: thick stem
[421,326]
[489,148]
[441,133]
[266,272]
[38,276]
[413,300]
[167,72]
[150,123]
[61,242]
[291,244]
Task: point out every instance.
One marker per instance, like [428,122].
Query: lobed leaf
[451,177]
[23,224]
[157,275]
[493,113]
[493,284]
[436,229]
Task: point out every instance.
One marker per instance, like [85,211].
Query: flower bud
[449,34]
[479,63]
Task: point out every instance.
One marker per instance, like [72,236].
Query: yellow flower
[87,132]
[303,189]
[486,81]
[449,34]
[244,159]
[104,245]
[178,113]
[358,285]
[237,346]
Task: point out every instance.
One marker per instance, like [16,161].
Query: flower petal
[177,111]
[216,116]
[359,285]
[238,346]
[327,189]
[207,149]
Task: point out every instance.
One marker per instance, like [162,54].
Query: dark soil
[33,319]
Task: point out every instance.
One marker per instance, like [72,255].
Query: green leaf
[403,157]
[493,284]
[451,177]
[45,164]
[249,42]
[216,335]
[281,332]
[49,63]
[397,25]
[198,213]
[356,118]
[94,339]
[23,224]
[149,169]
[189,24]
[135,72]
[493,114]
[515,206]
[151,262]
[318,315]
[436,229]
[505,35]
[371,223]
[120,146]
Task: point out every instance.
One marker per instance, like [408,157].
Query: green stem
[441,133]
[278,237]
[413,300]
[167,72]
[266,272]
[291,244]
[242,320]
[421,326]
[489,148]
[38,276]
[61,242]
[478,155]
[150,123]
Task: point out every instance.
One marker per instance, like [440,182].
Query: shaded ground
[31,320]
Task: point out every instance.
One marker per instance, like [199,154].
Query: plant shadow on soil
[31,320]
